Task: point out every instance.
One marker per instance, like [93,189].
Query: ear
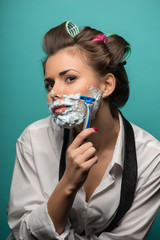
[108,85]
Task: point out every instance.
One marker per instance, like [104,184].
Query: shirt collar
[118,155]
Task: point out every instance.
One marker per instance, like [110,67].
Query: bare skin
[85,163]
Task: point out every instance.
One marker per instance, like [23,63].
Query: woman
[75,181]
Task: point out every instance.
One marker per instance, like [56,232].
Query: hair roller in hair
[72,29]
[127,53]
[110,34]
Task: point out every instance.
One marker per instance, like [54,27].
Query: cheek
[84,89]
[49,99]
[92,90]
[93,83]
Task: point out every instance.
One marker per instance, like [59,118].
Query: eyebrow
[60,74]
[48,80]
[65,71]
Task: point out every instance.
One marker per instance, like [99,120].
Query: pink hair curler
[100,37]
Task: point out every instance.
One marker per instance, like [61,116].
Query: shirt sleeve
[28,217]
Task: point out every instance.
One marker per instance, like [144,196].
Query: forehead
[66,59]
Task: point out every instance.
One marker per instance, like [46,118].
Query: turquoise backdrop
[23,97]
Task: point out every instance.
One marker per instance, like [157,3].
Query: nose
[56,91]
[54,95]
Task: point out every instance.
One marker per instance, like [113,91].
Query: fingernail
[95,129]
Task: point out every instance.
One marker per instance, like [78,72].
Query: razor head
[88,100]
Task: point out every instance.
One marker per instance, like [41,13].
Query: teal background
[23,98]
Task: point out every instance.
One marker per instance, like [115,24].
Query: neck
[108,129]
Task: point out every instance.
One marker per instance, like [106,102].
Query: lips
[60,108]
[56,107]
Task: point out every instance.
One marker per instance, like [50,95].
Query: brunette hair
[103,57]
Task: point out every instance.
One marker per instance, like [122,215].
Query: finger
[89,154]
[80,150]
[84,147]
[81,137]
[88,164]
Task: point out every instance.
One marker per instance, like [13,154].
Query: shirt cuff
[42,227]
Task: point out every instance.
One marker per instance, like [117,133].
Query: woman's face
[67,76]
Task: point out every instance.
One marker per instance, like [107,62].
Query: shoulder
[145,139]
[42,123]
[40,130]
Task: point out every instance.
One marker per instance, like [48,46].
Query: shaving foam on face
[73,115]
[76,111]
[95,93]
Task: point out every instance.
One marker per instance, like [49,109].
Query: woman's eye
[49,86]
[70,78]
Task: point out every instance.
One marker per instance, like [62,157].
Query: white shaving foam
[95,93]
[76,112]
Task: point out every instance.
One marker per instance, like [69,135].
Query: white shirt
[36,175]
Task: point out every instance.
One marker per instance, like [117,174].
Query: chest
[94,214]
[96,174]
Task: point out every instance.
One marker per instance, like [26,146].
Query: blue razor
[88,101]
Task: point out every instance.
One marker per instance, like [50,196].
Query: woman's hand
[80,158]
